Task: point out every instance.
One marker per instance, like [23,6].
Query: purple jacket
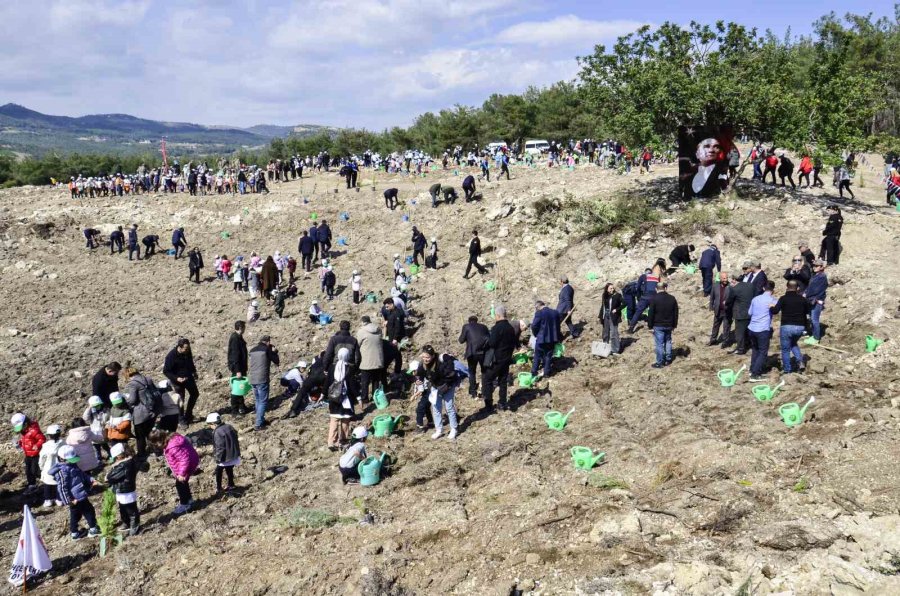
[181,456]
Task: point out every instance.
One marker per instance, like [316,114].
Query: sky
[359,63]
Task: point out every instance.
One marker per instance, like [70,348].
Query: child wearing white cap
[356,285]
[30,441]
[122,479]
[355,453]
[293,379]
[226,449]
[97,415]
[73,488]
[314,312]
[46,460]
[253,311]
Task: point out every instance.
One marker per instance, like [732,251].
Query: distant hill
[27,131]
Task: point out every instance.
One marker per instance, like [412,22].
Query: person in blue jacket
[73,488]
[133,245]
[815,294]
[179,242]
[567,304]
[709,259]
[419,244]
[314,234]
[324,236]
[469,187]
[305,247]
[545,327]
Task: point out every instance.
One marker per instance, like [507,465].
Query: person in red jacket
[806,166]
[771,163]
[30,441]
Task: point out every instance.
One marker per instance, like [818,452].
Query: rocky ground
[704,489]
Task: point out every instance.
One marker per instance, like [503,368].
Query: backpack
[151,397]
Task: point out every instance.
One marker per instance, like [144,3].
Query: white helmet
[360,432]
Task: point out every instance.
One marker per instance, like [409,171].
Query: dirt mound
[704,490]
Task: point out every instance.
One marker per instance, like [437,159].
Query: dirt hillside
[704,489]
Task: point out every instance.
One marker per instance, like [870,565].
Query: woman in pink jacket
[182,459]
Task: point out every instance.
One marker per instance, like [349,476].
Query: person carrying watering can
[237,363]
[355,453]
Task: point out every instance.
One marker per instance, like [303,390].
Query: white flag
[31,557]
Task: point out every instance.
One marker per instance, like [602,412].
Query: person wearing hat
[30,441]
[262,357]
[311,389]
[253,311]
[292,380]
[122,479]
[710,258]
[314,312]
[170,407]
[73,487]
[226,450]
[97,416]
[830,250]
[431,259]
[355,453]
[81,438]
[46,460]
[356,285]
[278,305]
[738,304]
[328,281]
[398,265]
[118,427]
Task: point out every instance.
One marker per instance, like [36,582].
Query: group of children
[67,480]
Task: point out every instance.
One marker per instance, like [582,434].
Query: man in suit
[755,276]
[502,341]
[474,253]
[475,336]
[718,300]
[545,327]
[709,259]
[738,303]
[567,304]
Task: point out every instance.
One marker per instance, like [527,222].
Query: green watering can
[872,343]
[314,216]
[765,392]
[225,235]
[372,297]
[240,386]
[526,379]
[559,350]
[413,269]
[490,286]
[897,205]
[521,358]
[592,276]
[584,458]
[689,269]
[555,420]
[370,469]
[384,425]
[380,399]
[728,377]
[810,341]
[792,414]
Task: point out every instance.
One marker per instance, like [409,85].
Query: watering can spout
[803,409]
[566,417]
[600,455]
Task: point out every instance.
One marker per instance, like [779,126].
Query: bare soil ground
[704,489]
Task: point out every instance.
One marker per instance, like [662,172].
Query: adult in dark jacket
[305,247]
[786,170]
[756,277]
[545,328]
[106,381]
[435,191]
[151,243]
[440,372]
[718,304]
[195,264]
[815,293]
[324,237]
[799,271]
[475,336]
[681,255]
[262,356]
[468,186]
[794,309]
[390,198]
[342,339]
[709,259]
[314,235]
[738,304]
[611,316]
[450,195]
[663,319]
[116,240]
[831,236]
[806,253]
[566,305]
[395,323]
[237,363]
[419,244]
[179,241]
[474,253]
[226,450]
[133,244]
[182,374]
[268,278]
[142,417]
[501,343]
[122,479]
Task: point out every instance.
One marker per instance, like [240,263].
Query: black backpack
[151,397]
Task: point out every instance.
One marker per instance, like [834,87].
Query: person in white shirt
[355,453]
[293,378]
[356,285]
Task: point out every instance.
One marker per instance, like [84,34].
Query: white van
[496,146]
[537,147]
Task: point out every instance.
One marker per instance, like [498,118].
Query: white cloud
[565,31]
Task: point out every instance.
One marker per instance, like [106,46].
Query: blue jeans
[242,187]
[759,346]
[814,316]
[446,399]
[261,397]
[663,338]
[542,353]
[788,336]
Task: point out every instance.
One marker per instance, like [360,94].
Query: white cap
[396,255]
[302,364]
[117,449]
[116,397]
[254,303]
[360,432]
[18,421]
[355,272]
[67,453]
[164,384]
[213,418]
[54,429]
[413,366]
[433,239]
[94,401]
[315,301]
